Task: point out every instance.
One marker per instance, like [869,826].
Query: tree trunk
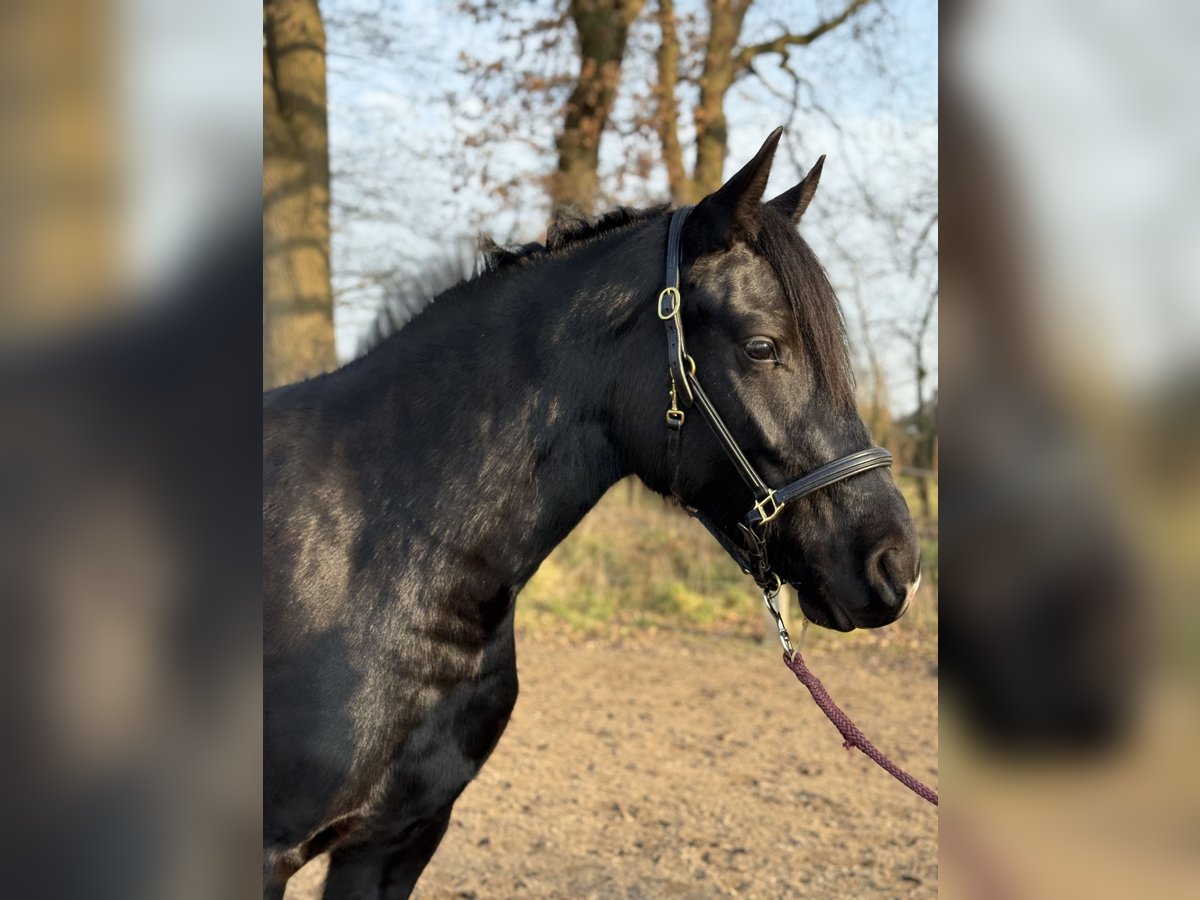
[712,131]
[667,113]
[297,292]
[603,28]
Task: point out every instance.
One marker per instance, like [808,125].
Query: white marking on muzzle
[910,593]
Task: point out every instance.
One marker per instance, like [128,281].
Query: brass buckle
[673,293]
[761,508]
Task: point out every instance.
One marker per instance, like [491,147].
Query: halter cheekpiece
[750,552]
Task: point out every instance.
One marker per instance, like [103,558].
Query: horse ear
[792,203]
[729,211]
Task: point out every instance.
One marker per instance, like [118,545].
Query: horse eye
[761,349]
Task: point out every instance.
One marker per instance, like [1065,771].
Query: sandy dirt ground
[695,769]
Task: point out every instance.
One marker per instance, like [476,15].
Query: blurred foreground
[130,434]
[1071,398]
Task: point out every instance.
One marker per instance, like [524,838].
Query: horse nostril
[890,572]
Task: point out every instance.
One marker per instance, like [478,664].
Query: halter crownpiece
[751,552]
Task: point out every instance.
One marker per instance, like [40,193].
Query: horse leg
[405,866]
[354,874]
[387,874]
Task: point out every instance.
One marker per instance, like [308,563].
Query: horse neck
[499,404]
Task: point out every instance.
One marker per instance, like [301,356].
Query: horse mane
[569,230]
[405,297]
[806,287]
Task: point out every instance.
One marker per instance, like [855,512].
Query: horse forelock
[813,302]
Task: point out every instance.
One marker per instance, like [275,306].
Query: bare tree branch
[782,42]
[914,260]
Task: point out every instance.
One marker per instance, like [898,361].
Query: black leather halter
[750,553]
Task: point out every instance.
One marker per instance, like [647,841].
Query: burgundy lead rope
[851,734]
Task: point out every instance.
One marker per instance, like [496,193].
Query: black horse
[410,495]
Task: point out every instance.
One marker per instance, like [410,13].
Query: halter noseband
[686,392]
